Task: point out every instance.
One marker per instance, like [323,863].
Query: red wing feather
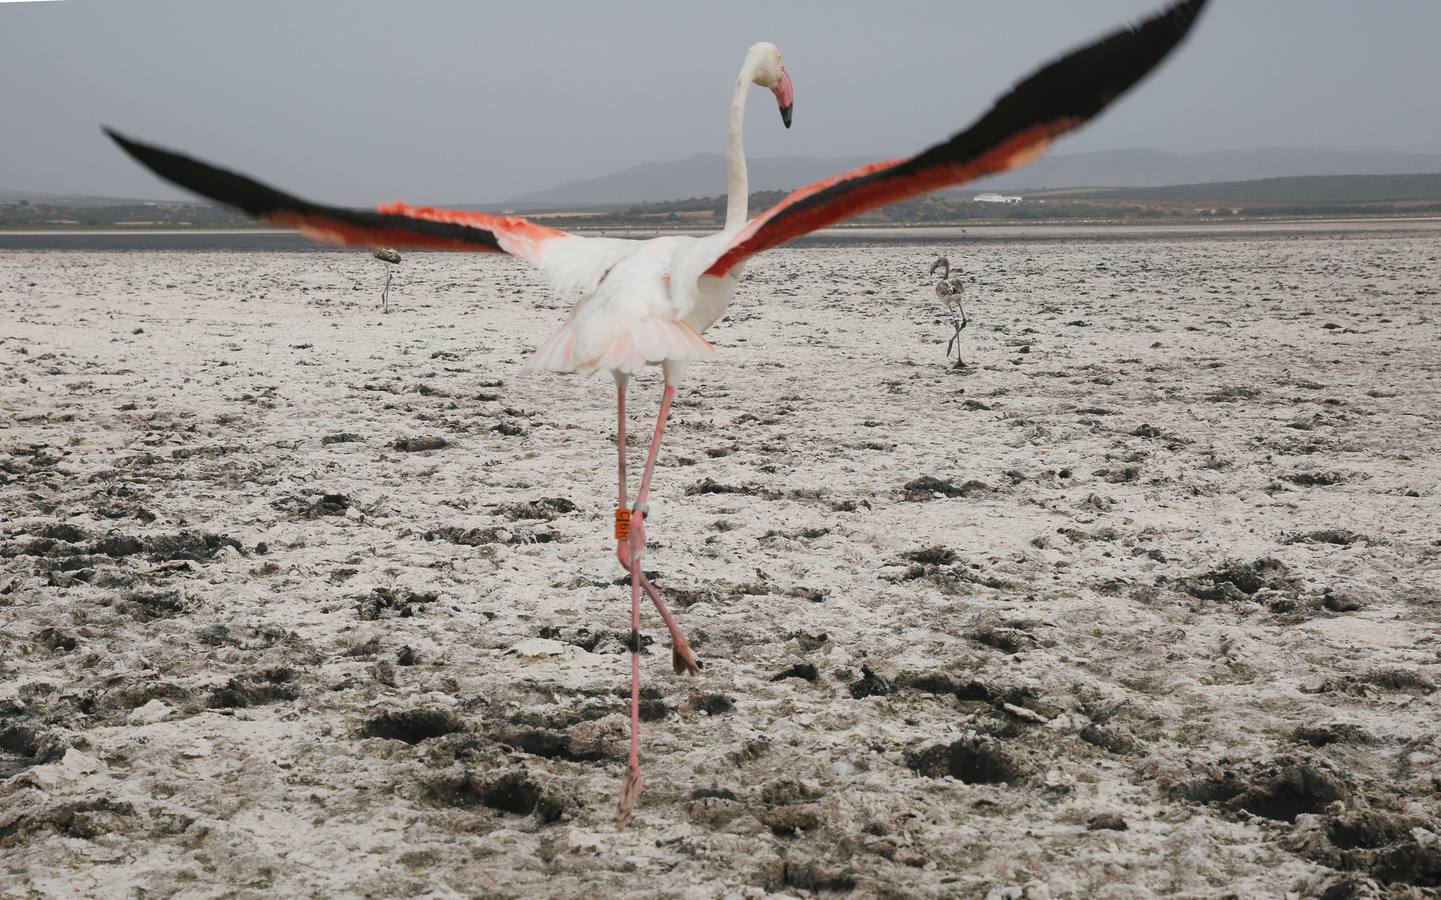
[1017,129]
[390,225]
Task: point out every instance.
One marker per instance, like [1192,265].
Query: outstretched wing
[390,225]
[1017,130]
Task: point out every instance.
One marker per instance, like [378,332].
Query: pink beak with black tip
[785,95]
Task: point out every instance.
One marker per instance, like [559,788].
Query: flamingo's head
[769,73]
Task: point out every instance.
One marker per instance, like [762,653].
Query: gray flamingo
[386,255]
[950,291]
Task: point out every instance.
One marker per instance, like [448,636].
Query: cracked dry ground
[298,598]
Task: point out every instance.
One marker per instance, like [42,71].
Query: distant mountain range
[1327,189]
[40,198]
[704,175]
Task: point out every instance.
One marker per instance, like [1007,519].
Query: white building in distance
[995,198]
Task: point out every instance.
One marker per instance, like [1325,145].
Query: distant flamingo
[950,291]
[647,302]
[392,258]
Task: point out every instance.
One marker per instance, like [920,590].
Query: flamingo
[648,303]
[392,257]
[950,291]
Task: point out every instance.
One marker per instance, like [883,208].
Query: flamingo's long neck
[738,194]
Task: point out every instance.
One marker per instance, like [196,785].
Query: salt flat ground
[1163,621]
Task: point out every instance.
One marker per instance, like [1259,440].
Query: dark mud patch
[1393,849]
[931,556]
[260,689]
[1005,637]
[1341,537]
[312,506]
[412,726]
[927,682]
[1106,822]
[196,546]
[870,685]
[1409,863]
[57,641]
[83,819]
[1109,738]
[480,537]
[1341,601]
[711,486]
[791,821]
[785,876]
[928,487]
[1234,581]
[1233,393]
[974,760]
[1317,479]
[1400,680]
[551,744]
[789,791]
[803,671]
[22,746]
[384,603]
[713,704]
[713,807]
[686,596]
[150,606]
[62,531]
[1391,678]
[570,709]
[1279,790]
[595,640]
[420,444]
[948,578]
[1119,474]
[545,509]
[132,694]
[512,793]
[1327,733]
[800,534]
[713,794]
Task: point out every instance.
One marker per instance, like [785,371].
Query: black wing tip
[232,189]
[145,154]
[124,142]
[1185,11]
[1175,22]
[1109,67]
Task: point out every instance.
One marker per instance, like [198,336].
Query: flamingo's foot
[630,790]
[681,657]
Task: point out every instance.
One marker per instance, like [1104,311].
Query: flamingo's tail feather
[650,341]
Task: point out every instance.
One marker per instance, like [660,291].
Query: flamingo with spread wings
[645,303]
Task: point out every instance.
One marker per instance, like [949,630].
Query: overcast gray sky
[454,101]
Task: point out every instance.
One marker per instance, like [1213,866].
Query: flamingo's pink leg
[665,400]
[682,659]
[629,552]
[630,788]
